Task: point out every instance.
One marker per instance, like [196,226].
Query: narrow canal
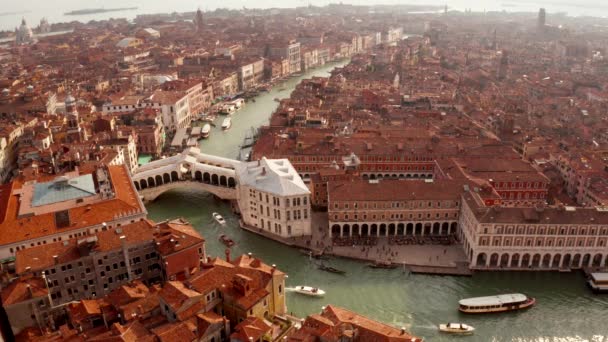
[566,310]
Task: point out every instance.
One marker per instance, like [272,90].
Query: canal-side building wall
[273,198]
[385,208]
[540,238]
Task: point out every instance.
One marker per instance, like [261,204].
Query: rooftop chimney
[264,171]
[56,259]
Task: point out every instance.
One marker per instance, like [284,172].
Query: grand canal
[566,310]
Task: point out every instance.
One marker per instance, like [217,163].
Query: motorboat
[226,240]
[499,303]
[331,269]
[206,130]
[228,109]
[238,103]
[456,328]
[309,291]
[226,124]
[598,282]
[382,264]
[217,217]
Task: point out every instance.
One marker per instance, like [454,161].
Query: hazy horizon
[34,10]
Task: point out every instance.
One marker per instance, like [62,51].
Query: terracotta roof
[177,332]
[14,229]
[369,330]
[175,293]
[23,289]
[394,190]
[251,329]
[130,332]
[176,235]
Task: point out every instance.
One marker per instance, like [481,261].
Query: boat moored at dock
[498,303]
[382,264]
[205,131]
[598,282]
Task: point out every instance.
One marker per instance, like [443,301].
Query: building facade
[273,198]
[533,238]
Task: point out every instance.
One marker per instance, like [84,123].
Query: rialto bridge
[190,169]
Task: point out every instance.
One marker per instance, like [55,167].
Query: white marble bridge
[189,169]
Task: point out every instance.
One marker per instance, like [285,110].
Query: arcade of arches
[540,260]
[393,229]
[173,176]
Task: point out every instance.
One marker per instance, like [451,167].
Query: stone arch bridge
[189,169]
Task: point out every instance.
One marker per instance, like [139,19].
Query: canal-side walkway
[426,259]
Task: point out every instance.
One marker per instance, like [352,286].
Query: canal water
[565,311]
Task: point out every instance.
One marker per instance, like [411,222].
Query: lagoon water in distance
[566,310]
[11,12]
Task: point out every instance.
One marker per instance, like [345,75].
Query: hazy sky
[54,9]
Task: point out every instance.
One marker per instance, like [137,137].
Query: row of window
[484,241]
[548,231]
[519,185]
[388,204]
[368,158]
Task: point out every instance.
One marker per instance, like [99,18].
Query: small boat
[331,269]
[282,89]
[499,303]
[238,103]
[456,328]
[382,264]
[206,130]
[276,99]
[219,218]
[598,282]
[309,291]
[226,240]
[228,109]
[226,124]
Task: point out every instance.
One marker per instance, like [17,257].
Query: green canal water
[565,311]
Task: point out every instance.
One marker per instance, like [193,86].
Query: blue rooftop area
[63,189]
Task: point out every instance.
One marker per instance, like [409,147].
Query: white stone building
[273,197]
[533,238]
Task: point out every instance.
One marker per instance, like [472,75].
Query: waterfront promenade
[432,259]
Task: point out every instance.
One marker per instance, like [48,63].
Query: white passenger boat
[598,282]
[226,124]
[206,130]
[456,328]
[309,291]
[217,217]
[499,303]
[228,109]
[238,103]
